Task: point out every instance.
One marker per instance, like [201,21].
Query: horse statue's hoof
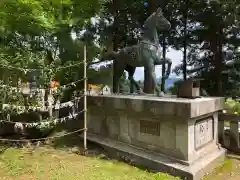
[140,92]
[160,94]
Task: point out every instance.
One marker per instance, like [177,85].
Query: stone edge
[185,109]
[198,108]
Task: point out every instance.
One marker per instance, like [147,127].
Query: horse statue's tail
[109,56]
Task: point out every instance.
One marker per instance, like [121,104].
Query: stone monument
[174,135]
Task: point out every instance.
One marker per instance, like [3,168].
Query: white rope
[54,121]
[42,139]
[38,108]
[18,89]
[25,70]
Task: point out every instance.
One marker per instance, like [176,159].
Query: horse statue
[147,54]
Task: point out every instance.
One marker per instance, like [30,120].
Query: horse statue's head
[158,20]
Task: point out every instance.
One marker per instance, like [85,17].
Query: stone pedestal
[174,135]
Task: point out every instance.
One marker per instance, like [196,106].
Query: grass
[61,160]
[50,164]
[221,170]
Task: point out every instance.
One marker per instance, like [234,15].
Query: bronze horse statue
[147,54]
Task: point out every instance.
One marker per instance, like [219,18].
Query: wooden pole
[85,98]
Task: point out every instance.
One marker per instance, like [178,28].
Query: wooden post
[85,98]
[221,130]
[234,136]
[50,104]
[57,109]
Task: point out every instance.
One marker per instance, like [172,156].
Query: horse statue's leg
[157,88]
[134,83]
[150,68]
[131,71]
[165,61]
[169,63]
[118,69]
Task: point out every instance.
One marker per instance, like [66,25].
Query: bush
[232,106]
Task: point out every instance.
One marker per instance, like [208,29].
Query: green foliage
[37,35]
[232,106]
[216,24]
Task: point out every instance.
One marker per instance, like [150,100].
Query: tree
[211,24]
[37,34]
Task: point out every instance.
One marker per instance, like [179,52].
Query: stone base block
[160,162]
[174,135]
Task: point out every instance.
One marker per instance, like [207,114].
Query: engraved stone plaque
[150,127]
[203,132]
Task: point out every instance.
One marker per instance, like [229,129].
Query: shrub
[232,106]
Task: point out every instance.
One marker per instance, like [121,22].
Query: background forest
[44,34]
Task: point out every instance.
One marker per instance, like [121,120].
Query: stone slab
[160,162]
[159,106]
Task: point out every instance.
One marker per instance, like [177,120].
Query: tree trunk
[116,34]
[163,66]
[217,50]
[219,62]
[185,41]
[164,49]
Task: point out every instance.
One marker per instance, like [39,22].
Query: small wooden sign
[189,88]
